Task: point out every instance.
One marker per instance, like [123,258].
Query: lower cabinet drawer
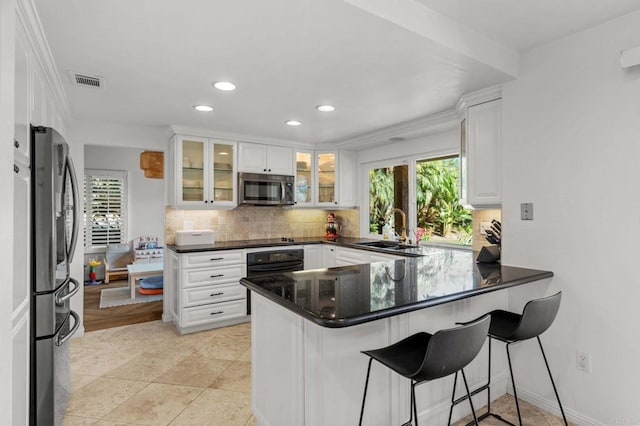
[213,294]
[208,276]
[214,312]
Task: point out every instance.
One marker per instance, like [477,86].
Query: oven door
[270,269]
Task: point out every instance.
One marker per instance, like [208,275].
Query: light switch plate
[526,211]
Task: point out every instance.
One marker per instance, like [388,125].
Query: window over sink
[426,190]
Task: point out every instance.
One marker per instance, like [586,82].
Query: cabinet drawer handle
[217,276]
[16,168]
[216,294]
[216,313]
[216,258]
[16,143]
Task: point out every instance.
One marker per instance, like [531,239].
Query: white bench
[142,270]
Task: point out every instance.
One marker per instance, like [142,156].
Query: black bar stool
[509,327]
[423,357]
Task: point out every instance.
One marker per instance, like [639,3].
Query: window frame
[123,175]
[412,161]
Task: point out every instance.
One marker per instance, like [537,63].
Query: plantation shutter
[105,207]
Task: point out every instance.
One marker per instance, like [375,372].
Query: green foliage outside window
[439,213]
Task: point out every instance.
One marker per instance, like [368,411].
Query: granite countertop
[350,295]
[278,242]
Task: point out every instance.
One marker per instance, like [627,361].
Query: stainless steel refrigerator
[54,233]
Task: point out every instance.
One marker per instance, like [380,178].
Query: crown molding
[214,134]
[478,97]
[27,16]
[422,126]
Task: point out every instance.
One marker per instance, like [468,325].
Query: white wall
[571,137]
[83,133]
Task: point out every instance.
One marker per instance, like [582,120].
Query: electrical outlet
[483,227]
[583,361]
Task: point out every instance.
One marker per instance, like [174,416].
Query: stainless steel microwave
[265,190]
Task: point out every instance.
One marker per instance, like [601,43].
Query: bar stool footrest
[496,416]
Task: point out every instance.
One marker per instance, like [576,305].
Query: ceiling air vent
[87,80]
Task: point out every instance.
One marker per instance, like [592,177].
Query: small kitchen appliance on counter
[332,228]
[491,254]
[194,237]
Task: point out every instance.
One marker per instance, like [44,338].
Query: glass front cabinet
[326,178]
[205,172]
[304,178]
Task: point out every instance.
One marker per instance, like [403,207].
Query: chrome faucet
[403,235]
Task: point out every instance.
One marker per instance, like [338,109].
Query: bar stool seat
[509,327]
[422,357]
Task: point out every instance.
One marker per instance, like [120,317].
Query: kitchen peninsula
[308,329]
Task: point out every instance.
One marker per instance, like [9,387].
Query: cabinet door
[326,178]
[222,164]
[20,371]
[328,256]
[313,257]
[347,179]
[191,159]
[252,157]
[22,96]
[484,154]
[345,256]
[280,160]
[21,229]
[304,178]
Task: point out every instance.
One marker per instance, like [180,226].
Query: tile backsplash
[483,215]
[250,223]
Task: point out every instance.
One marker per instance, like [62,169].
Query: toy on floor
[92,272]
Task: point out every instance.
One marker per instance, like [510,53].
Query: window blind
[105,207]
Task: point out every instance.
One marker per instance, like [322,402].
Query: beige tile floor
[147,374]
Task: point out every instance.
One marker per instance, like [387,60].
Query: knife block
[488,254]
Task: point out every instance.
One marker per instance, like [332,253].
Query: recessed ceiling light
[203,108]
[326,108]
[224,85]
[293,123]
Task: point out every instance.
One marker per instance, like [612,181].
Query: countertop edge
[328,323]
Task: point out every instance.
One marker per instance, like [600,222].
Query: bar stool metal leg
[513,383]
[453,398]
[466,386]
[552,382]
[366,385]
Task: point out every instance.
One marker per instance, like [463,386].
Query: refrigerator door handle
[74,290]
[61,340]
[74,192]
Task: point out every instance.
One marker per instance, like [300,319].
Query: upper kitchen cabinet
[259,158]
[481,154]
[335,177]
[203,173]
[304,166]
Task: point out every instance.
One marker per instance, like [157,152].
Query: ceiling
[379,63]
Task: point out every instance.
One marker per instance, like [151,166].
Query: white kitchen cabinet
[304,168]
[346,256]
[313,256]
[205,289]
[328,256]
[259,158]
[22,96]
[334,179]
[481,155]
[203,172]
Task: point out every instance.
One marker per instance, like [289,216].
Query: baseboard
[551,405]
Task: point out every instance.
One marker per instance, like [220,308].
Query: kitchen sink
[389,245]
